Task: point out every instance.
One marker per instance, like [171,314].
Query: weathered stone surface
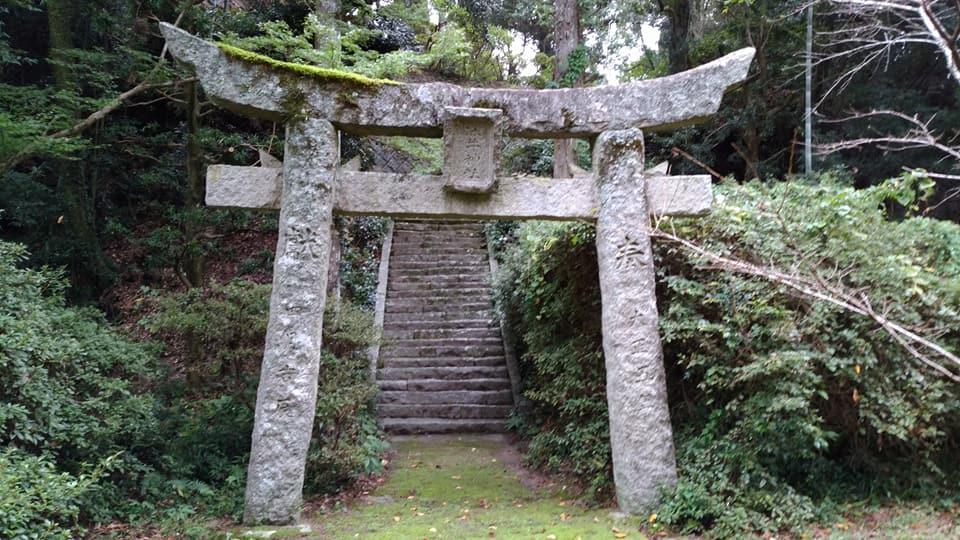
[471,148]
[244,187]
[417,109]
[678,195]
[640,433]
[399,195]
[286,396]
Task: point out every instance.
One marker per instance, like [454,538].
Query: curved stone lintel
[417,109]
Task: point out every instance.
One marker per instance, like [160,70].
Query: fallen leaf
[396,519]
[433,529]
[652,518]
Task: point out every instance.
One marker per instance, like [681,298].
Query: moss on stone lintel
[319,73]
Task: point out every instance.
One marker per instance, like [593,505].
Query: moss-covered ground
[461,487]
[473,487]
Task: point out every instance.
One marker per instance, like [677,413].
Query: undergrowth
[783,407]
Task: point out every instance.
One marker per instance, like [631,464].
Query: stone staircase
[442,367]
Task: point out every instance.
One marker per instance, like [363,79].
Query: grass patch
[319,73]
[460,488]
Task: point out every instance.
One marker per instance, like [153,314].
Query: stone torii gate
[309,189]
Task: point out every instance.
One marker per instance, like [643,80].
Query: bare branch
[921,348]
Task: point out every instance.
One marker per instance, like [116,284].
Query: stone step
[439,239]
[451,248]
[442,385]
[432,351]
[441,235]
[438,226]
[448,316]
[445,411]
[427,269]
[400,325]
[446,293]
[414,426]
[448,397]
[474,286]
[449,309]
[429,343]
[456,280]
[405,362]
[443,372]
[456,259]
[440,289]
[430,332]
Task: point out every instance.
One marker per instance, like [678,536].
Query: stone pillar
[287,394]
[640,433]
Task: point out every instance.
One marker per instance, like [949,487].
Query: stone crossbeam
[270,92]
[418,195]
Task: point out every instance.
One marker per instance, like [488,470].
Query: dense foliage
[92,431]
[782,405]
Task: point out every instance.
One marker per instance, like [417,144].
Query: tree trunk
[327,39]
[193,263]
[91,271]
[567,37]
[678,52]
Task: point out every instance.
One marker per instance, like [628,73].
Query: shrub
[780,404]
[216,333]
[347,442]
[551,268]
[38,501]
[68,386]
[209,425]
[90,431]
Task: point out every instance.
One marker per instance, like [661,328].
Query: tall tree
[567,35]
[91,270]
[677,32]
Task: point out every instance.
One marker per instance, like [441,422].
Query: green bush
[215,332]
[91,430]
[69,385]
[210,420]
[780,404]
[37,500]
[347,442]
[551,268]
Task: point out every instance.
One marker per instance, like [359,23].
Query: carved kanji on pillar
[310,190]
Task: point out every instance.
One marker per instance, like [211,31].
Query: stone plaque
[471,148]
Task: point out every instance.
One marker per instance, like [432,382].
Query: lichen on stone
[319,73]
